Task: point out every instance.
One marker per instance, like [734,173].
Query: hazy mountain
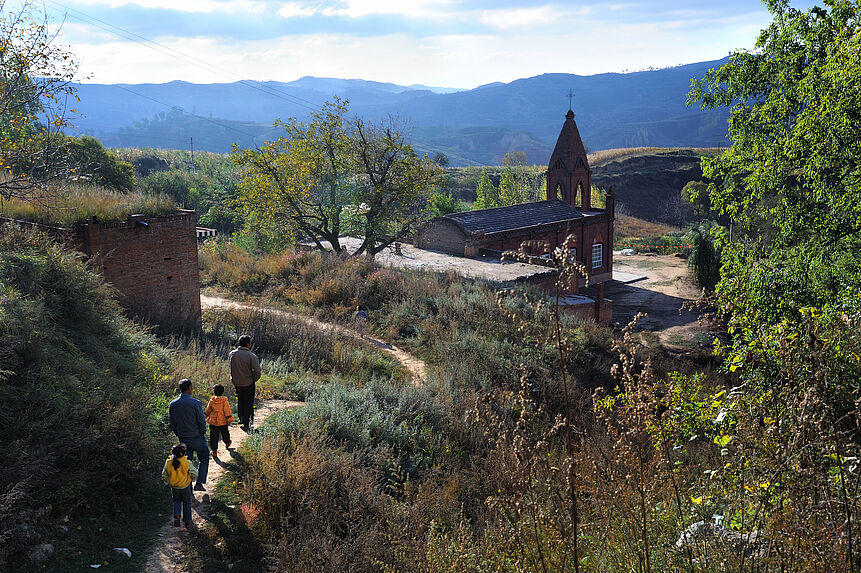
[472,126]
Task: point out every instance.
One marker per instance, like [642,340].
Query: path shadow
[380,344]
[664,311]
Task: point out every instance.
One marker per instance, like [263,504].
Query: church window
[559,191]
[597,255]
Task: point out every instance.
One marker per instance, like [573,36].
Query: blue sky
[434,42]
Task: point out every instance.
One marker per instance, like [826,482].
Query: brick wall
[151,262]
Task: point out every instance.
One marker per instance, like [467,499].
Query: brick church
[567,210]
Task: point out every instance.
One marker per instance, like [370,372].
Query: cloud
[519,17]
[194,6]
[292,10]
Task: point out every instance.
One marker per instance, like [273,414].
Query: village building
[566,212]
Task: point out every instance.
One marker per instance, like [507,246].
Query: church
[567,210]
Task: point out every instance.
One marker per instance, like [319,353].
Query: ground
[667,286]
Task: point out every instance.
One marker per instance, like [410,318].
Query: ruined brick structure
[566,211]
[151,262]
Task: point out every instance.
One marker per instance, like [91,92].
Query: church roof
[569,146]
[513,217]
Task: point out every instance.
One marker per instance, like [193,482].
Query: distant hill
[475,126]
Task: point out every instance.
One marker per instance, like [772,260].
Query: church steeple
[568,175]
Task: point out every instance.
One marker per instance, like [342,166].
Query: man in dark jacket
[244,372]
[189,424]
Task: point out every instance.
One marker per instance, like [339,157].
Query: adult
[189,424]
[360,319]
[244,372]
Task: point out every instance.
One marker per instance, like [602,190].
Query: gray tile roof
[515,216]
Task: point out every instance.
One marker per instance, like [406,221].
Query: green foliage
[790,179]
[90,160]
[509,194]
[487,195]
[515,159]
[704,258]
[696,193]
[76,384]
[445,203]
[335,175]
[35,82]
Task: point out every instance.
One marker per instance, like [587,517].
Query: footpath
[166,557]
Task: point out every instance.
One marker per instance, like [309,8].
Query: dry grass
[628,226]
[78,203]
[603,156]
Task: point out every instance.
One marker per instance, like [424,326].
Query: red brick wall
[151,262]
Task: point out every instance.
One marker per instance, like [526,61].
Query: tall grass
[73,203]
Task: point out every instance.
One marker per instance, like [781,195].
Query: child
[178,473]
[218,415]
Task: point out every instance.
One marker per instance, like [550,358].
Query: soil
[667,286]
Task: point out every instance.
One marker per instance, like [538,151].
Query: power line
[181,56]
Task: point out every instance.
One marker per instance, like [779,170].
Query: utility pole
[191,140]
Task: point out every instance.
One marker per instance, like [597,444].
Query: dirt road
[416,367]
[667,286]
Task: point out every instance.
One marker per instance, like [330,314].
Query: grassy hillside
[78,384]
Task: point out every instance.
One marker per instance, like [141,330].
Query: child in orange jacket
[219,417]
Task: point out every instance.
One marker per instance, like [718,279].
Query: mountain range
[476,126]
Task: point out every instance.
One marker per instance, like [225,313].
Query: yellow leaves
[698,500]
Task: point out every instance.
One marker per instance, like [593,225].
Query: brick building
[567,210]
[151,262]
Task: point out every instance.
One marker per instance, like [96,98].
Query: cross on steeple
[571,99]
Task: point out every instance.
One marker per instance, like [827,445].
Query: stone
[629,252]
[40,553]
[123,551]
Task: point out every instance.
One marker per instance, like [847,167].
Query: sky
[445,43]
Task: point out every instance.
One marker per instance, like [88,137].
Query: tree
[792,178]
[696,194]
[89,158]
[35,85]
[334,175]
[509,191]
[487,195]
[515,159]
[441,159]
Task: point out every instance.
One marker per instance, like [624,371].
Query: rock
[64,529]
[629,252]
[40,553]
[123,551]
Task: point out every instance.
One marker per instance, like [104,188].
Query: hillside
[475,126]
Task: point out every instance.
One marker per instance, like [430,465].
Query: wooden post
[598,303]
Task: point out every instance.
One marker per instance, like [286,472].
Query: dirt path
[667,286]
[166,557]
[416,367]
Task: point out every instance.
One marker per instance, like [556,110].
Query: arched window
[597,255]
[560,193]
[578,200]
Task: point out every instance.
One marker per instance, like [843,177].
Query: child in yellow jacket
[219,417]
[178,473]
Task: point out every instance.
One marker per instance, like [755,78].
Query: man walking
[189,424]
[244,372]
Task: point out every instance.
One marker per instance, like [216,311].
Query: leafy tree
[792,178]
[35,84]
[696,193]
[444,203]
[509,190]
[515,159]
[441,159]
[335,174]
[89,158]
[487,195]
